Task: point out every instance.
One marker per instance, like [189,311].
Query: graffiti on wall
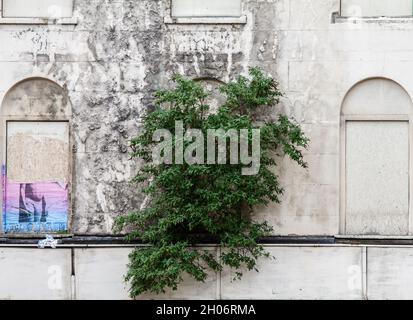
[35,187]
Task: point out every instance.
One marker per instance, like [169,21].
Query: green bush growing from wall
[191,203]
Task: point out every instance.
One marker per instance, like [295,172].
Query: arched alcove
[375,159]
[377,96]
[35,119]
[37,97]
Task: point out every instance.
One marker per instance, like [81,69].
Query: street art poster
[35,178]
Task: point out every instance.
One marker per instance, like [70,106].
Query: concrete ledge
[120,240]
[374,240]
[360,20]
[76,241]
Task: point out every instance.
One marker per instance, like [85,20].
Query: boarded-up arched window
[36,170]
[376,161]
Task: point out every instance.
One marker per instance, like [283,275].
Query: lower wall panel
[390,273]
[329,272]
[100,273]
[301,273]
[35,273]
[295,272]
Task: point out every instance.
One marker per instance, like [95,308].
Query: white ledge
[341,19]
[39,21]
[205,20]
[373,237]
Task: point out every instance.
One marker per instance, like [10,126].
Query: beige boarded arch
[376,163]
[35,114]
[35,118]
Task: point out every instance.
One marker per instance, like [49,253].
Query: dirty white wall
[112,57]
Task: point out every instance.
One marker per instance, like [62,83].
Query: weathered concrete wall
[121,51]
[110,63]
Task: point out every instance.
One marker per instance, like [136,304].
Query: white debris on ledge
[48,242]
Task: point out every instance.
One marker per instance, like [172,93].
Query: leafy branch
[188,203]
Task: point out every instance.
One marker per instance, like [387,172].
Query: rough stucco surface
[121,51]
